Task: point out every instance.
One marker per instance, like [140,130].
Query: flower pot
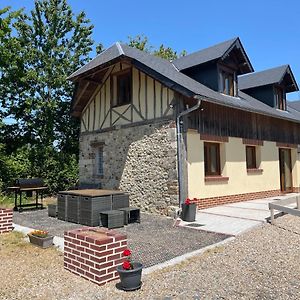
[45,242]
[188,213]
[130,279]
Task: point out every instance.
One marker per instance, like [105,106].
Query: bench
[281,205]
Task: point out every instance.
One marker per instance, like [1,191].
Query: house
[205,126]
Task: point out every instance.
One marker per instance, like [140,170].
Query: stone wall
[141,160]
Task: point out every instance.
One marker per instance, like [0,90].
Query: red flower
[187,201]
[127,252]
[126,265]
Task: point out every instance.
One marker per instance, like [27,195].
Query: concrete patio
[236,218]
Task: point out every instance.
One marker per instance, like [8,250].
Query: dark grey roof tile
[204,55]
[262,78]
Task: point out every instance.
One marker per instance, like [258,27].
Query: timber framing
[150,99]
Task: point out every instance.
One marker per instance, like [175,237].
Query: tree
[52,44]
[141,42]
[37,53]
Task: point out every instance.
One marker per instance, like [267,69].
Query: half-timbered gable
[148,99]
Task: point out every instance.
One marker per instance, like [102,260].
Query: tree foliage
[141,42]
[37,52]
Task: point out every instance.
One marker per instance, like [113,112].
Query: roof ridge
[206,48]
[120,49]
[265,70]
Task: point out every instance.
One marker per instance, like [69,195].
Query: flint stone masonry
[6,216]
[94,254]
[140,160]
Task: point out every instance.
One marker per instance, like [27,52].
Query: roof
[165,72]
[212,53]
[266,77]
[294,104]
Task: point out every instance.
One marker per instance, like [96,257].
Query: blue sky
[269,30]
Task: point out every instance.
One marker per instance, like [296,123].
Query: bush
[59,170]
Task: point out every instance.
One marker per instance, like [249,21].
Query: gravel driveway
[260,264]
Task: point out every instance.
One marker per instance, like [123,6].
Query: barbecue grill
[28,186]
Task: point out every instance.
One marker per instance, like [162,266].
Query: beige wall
[233,165]
[150,100]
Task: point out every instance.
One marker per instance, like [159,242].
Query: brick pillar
[6,216]
[94,253]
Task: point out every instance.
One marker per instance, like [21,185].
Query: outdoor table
[84,206]
[18,191]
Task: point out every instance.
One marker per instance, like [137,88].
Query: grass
[13,240]
[8,200]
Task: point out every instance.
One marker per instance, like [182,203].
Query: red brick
[112,269]
[85,255]
[79,248]
[84,244]
[78,258]
[79,270]
[90,263]
[89,251]
[120,249]
[114,257]
[98,248]
[98,272]
[104,266]
[104,241]
[76,252]
[92,276]
[89,239]
[85,267]
[120,237]
[98,259]
[104,278]
[119,261]
[113,245]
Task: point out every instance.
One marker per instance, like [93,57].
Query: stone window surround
[96,145]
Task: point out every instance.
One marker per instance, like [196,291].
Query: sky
[269,30]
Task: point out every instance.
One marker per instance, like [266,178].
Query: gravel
[153,241]
[260,264]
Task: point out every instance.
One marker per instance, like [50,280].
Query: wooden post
[272,216]
[298,202]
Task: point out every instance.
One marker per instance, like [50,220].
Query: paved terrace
[236,218]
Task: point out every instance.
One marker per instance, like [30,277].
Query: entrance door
[285,165]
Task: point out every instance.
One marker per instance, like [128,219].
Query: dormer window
[227,81]
[280,99]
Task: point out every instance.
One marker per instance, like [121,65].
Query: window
[251,157]
[280,99]
[100,161]
[228,83]
[122,88]
[212,159]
